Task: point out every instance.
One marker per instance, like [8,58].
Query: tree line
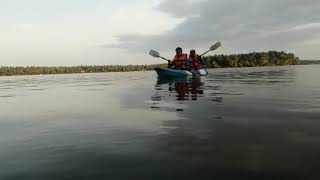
[307,62]
[271,58]
[34,70]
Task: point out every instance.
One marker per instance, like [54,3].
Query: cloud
[182,8]
[31,34]
[241,25]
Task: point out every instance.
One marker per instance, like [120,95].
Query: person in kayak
[195,60]
[180,61]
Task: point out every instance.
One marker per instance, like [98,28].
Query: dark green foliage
[307,62]
[271,58]
[10,71]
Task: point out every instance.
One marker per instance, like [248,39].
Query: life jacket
[195,62]
[180,62]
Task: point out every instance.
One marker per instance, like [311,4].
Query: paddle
[212,48]
[155,54]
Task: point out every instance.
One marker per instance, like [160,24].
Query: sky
[101,32]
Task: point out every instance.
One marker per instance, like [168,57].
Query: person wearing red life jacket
[195,60]
[180,61]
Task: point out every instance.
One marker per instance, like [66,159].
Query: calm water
[248,123]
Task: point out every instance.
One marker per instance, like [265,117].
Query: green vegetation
[271,58]
[307,62]
[10,71]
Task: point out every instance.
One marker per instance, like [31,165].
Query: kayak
[202,72]
[166,72]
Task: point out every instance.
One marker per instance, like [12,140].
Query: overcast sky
[75,32]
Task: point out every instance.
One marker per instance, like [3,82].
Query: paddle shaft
[165,58]
[205,52]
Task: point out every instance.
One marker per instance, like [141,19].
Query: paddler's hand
[169,64]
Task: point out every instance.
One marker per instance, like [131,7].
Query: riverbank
[20,71]
[34,70]
[271,58]
[309,62]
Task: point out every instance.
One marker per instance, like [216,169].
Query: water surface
[246,123]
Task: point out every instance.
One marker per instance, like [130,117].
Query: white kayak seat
[203,72]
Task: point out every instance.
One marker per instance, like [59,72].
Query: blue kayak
[173,73]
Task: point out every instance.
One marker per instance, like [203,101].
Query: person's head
[178,51]
[192,52]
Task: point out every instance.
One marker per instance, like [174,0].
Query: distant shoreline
[43,70]
[140,70]
[308,62]
[271,58]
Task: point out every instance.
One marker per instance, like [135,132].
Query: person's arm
[169,64]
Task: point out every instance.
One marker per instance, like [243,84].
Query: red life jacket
[180,62]
[195,62]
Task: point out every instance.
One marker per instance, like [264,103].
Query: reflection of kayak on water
[184,87]
[166,72]
[168,81]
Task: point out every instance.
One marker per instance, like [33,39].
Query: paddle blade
[154,53]
[215,46]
